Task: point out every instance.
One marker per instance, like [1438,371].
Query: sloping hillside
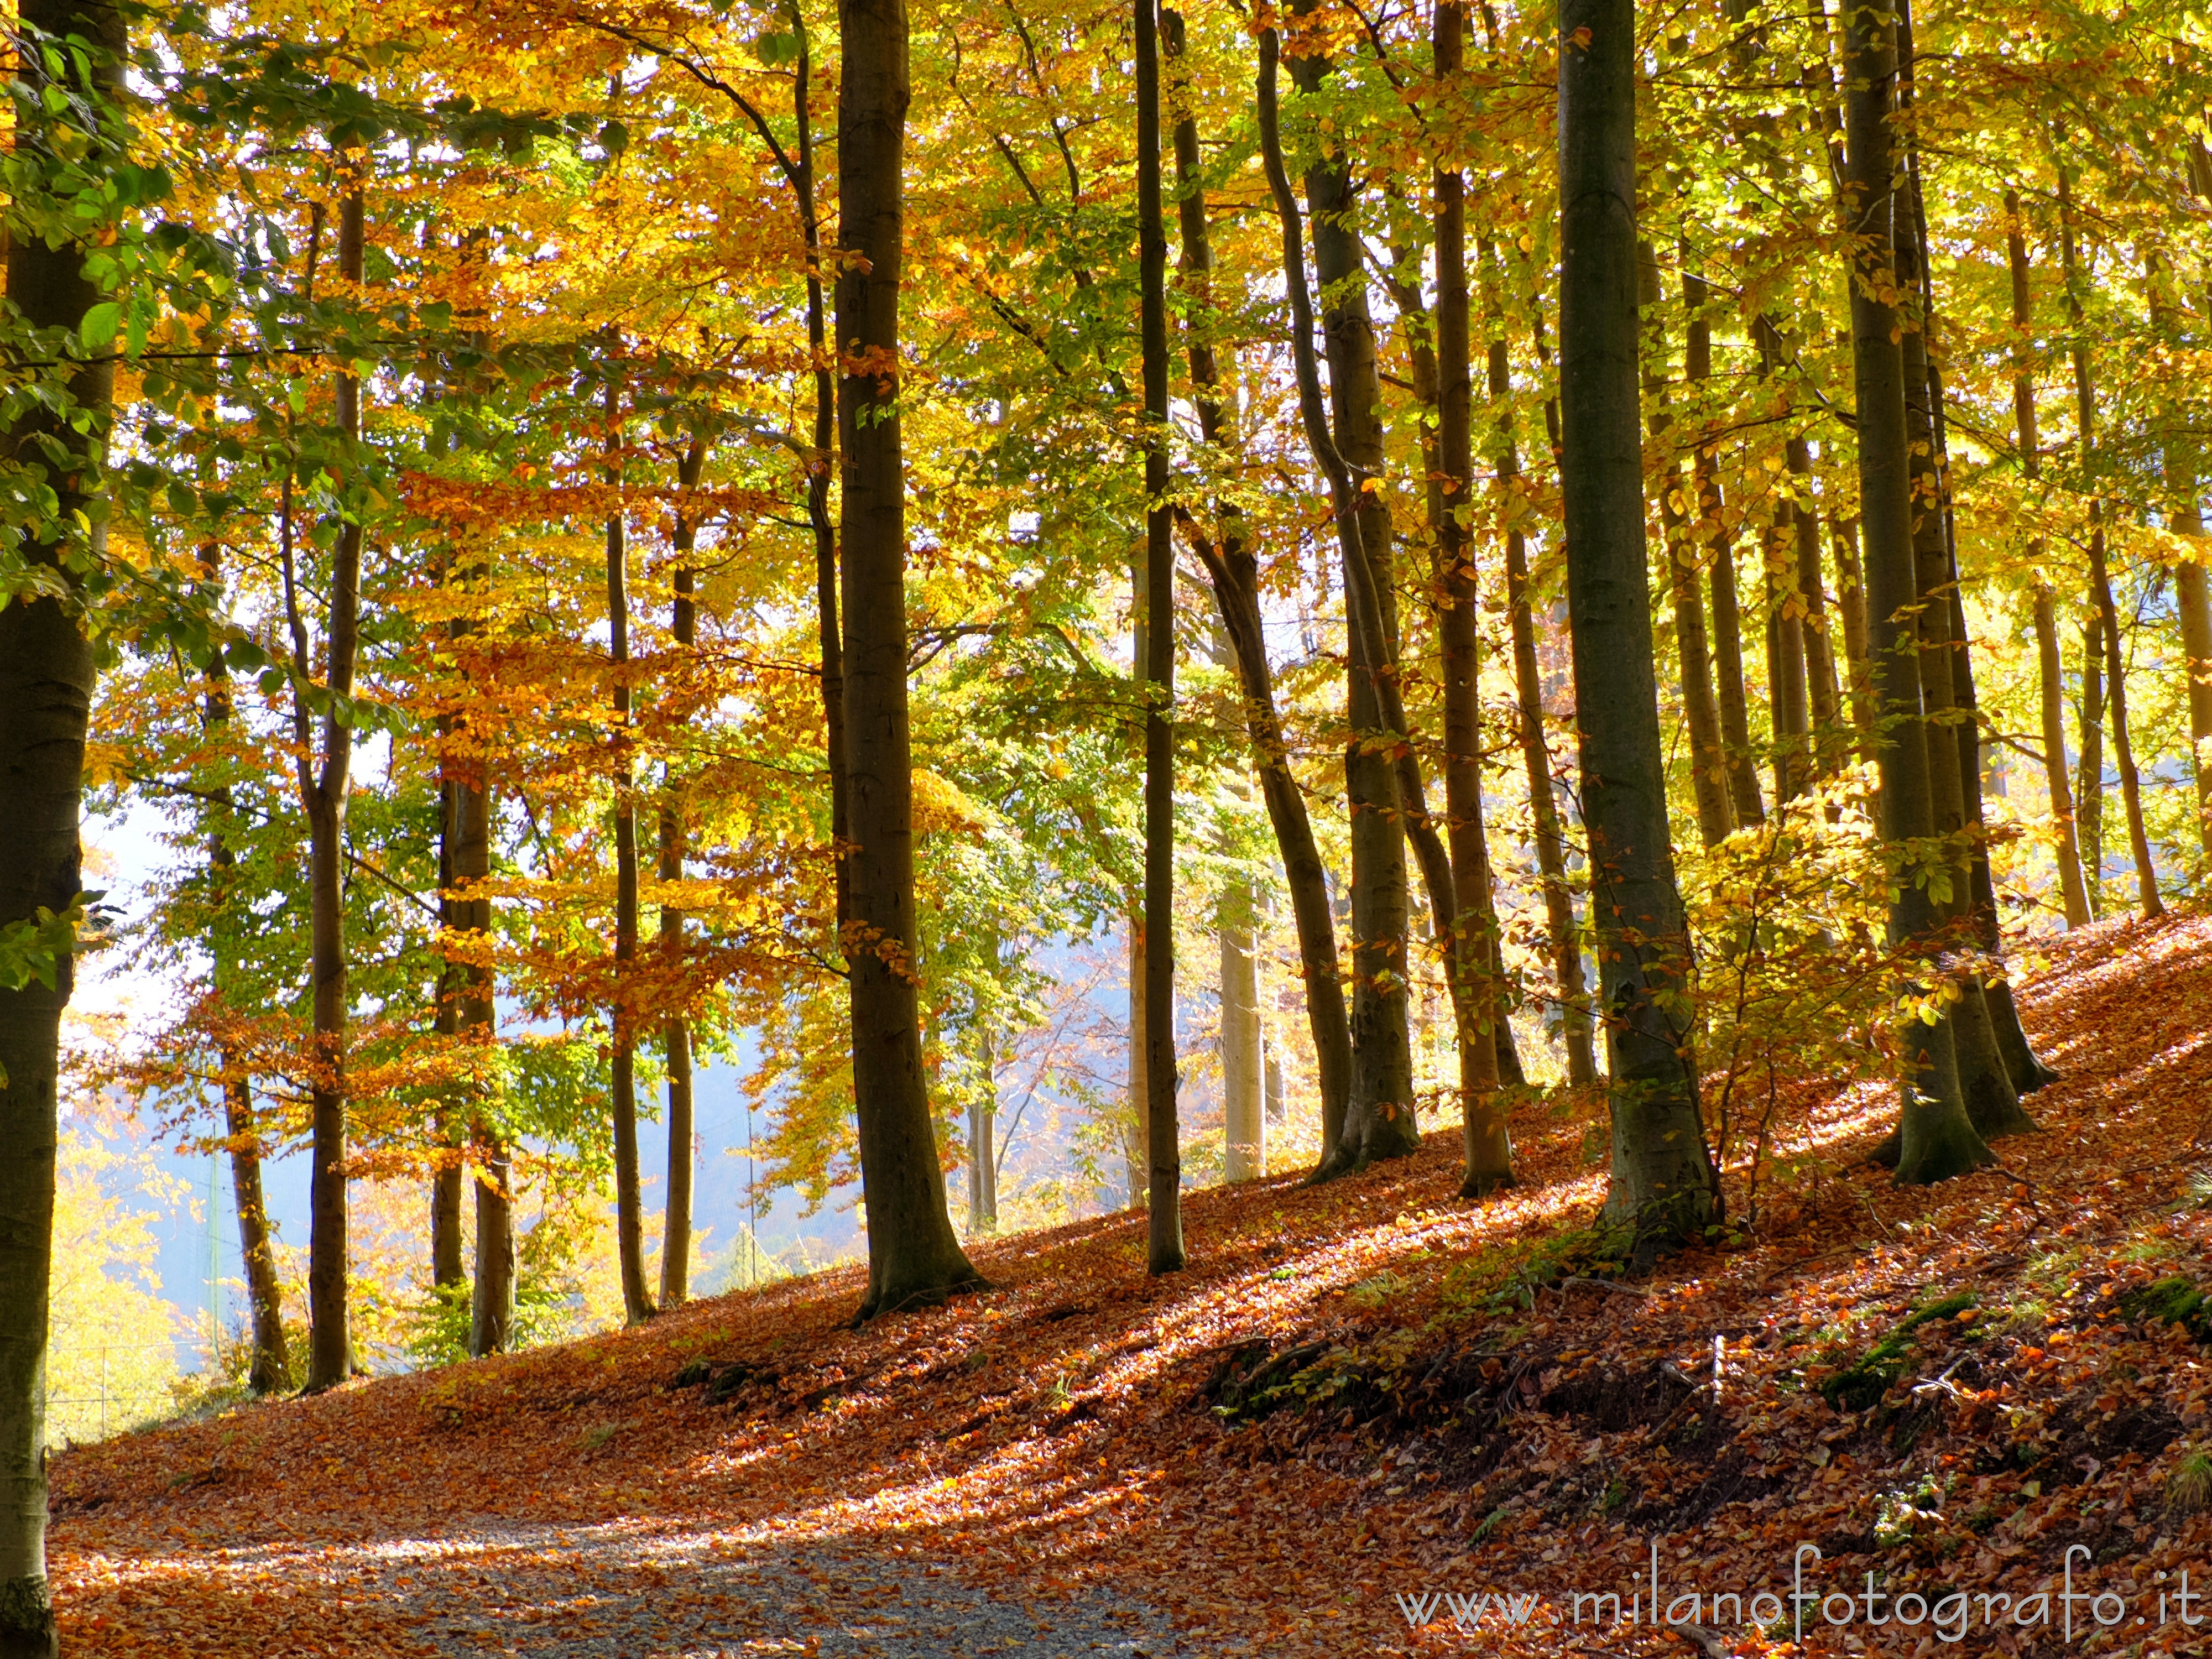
[1357,1400]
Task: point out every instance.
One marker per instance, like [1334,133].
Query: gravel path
[638,1590]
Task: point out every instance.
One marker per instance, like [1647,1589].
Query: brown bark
[46,679]
[1715,545]
[1164,1201]
[329,1341]
[1664,1188]
[2051,672]
[2100,585]
[1235,572]
[912,1254]
[1936,1138]
[1379,1120]
[675,832]
[1487,1145]
[629,1197]
[1709,759]
[271,1369]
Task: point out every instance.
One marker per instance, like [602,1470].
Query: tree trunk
[330,1338]
[983,1143]
[1163,1204]
[1792,680]
[1851,600]
[2089,780]
[491,1303]
[46,674]
[1379,1116]
[2100,585]
[1936,1138]
[1474,935]
[913,1254]
[1244,1127]
[271,1367]
[629,1198]
[1708,756]
[1564,937]
[1235,572]
[1710,527]
[1992,1096]
[675,832]
[2181,456]
[448,1265]
[1664,1187]
[2051,671]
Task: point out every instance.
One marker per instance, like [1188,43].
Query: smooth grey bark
[1235,572]
[914,1256]
[1936,1140]
[1379,1119]
[1664,1188]
[1164,1201]
[46,673]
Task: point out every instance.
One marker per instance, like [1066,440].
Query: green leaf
[101,326]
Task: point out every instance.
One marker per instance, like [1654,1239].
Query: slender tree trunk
[1236,576]
[1473,940]
[448,1265]
[1379,1116]
[2089,780]
[914,1255]
[330,1339]
[1244,1127]
[819,466]
[491,1301]
[1710,527]
[983,1143]
[1792,680]
[1165,1201]
[1936,1138]
[1708,756]
[2181,455]
[1565,937]
[2100,585]
[629,1197]
[271,1367]
[2051,671]
[1664,1186]
[675,833]
[1851,600]
[46,673]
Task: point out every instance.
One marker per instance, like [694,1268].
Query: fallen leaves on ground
[1053,1435]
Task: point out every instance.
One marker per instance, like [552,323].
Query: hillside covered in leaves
[1360,1398]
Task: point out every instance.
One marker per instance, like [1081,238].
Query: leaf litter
[1366,1411]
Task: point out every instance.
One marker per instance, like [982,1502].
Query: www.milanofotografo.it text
[2072,1611]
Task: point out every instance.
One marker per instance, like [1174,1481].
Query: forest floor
[1368,1418]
